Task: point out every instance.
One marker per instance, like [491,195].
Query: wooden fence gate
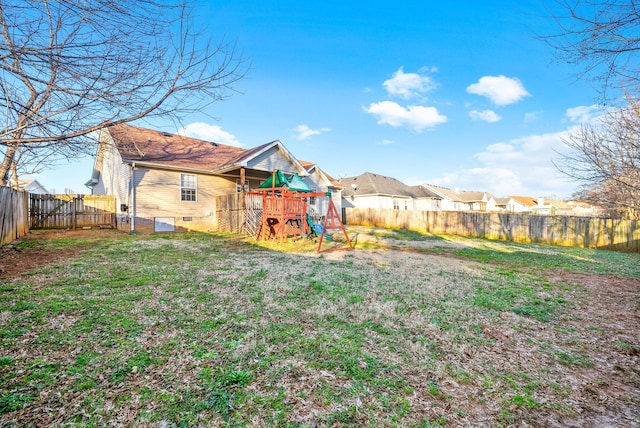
[71,211]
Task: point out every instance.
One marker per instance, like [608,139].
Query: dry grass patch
[407,330]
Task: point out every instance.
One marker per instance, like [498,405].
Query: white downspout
[133,199]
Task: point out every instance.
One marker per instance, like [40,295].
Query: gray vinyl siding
[114,176]
[270,160]
[315,182]
[158,194]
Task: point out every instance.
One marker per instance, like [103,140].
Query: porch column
[242,181]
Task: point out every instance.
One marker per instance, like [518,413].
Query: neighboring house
[371,190]
[478,201]
[425,200]
[450,200]
[320,181]
[549,207]
[164,181]
[378,191]
[585,209]
[500,204]
[522,204]
[508,204]
[32,186]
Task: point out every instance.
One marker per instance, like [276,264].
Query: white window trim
[195,189]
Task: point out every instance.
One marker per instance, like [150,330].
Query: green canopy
[298,184]
[280,181]
[293,182]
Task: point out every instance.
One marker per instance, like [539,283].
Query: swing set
[285,212]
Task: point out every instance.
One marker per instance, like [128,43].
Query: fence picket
[71,211]
[14,219]
[587,232]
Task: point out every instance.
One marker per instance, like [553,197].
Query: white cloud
[522,166]
[485,115]
[497,181]
[302,132]
[500,90]
[387,142]
[582,114]
[415,117]
[407,85]
[214,133]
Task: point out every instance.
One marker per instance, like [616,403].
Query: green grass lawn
[406,330]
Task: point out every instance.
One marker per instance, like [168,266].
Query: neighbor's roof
[558,204]
[527,201]
[472,196]
[443,192]
[375,184]
[422,192]
[502,201]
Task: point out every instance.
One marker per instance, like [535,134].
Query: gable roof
[502,201]
[527,201]
[310,167]
[375,184]
[163,149]
[472,196]
[149,146]
[422,192]
[443,192]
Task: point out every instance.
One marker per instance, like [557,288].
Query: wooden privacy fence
[588,232]
[14,218]
[71,211]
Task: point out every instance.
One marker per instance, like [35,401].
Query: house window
[396,204]
[188,187]
[312,200]
[239,187]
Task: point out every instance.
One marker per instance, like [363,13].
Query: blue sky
[459,94]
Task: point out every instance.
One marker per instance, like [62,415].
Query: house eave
[153,165]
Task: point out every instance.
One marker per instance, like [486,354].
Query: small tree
[69,68]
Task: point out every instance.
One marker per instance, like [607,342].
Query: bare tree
[605,158]
[602,37]
[71,67]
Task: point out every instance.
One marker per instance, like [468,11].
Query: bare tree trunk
[7,162]
[70,68]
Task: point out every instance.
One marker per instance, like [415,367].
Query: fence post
[623,235]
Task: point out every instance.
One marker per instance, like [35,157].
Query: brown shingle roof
[527,201]
[161,148]
[472,196]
